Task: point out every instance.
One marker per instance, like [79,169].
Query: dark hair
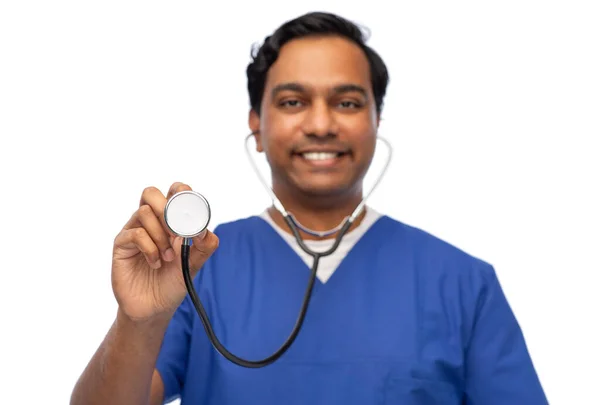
[312,24]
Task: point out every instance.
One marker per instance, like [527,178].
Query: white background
[493,110]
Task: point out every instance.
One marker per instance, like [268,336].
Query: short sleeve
[499,369]
[173,356]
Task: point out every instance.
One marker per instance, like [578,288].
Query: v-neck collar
[280,244]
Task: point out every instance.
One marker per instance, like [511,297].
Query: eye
[349,104]
[291,103]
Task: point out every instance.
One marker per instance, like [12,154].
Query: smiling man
[397,315]
[317,123]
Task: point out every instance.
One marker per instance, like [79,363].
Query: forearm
[120,372]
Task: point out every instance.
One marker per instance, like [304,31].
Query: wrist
[155,325]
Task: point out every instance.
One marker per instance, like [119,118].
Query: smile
[317,156]
[322,159]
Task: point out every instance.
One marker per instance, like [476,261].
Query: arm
[142,357]
[122,369]
[499,369]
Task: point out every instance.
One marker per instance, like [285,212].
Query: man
[397,316]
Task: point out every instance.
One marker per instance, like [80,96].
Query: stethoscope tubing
[295,228]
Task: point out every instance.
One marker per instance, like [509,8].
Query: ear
[254,125]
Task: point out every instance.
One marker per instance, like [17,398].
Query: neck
[318,213]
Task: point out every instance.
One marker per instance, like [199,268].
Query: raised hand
[146,266]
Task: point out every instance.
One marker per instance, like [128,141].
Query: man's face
[318,119]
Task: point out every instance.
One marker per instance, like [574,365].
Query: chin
[325,189]
[326,186]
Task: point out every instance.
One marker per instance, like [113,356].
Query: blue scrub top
[405,319]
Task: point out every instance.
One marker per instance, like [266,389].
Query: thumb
[203,246]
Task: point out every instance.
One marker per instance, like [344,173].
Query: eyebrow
[341,89]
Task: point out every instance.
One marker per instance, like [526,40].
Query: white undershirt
[328,264]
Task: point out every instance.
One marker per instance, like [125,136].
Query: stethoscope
[187,214]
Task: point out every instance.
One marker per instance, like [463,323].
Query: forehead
[320,63]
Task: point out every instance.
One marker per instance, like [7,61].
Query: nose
[320,121]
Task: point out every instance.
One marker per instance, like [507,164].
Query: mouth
[322,158]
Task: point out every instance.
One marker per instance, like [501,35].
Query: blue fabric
[406,319]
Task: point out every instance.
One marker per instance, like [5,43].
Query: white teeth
[319,155]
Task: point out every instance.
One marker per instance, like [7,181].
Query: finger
[156,231]
[139,238]
[177,187]
[203,246]
[133,222]
[156,200]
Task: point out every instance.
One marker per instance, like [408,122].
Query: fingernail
[169,254]
[156,264]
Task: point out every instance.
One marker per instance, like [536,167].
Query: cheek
[367,148]
[364,137]
[275,148]
[278,134]
[274,121]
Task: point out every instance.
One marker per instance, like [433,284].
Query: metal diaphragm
[187,214]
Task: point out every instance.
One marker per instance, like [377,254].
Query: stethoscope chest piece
[187,214]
